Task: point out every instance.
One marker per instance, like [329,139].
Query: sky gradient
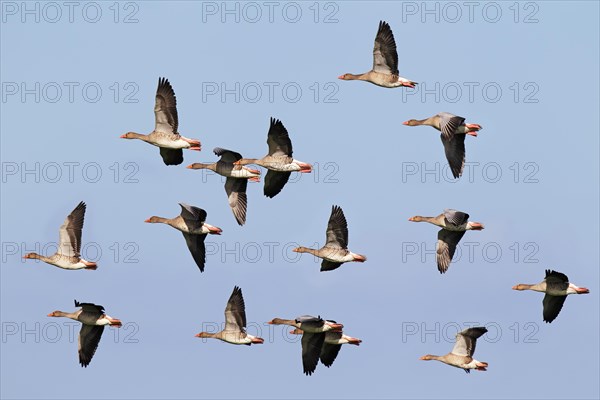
[72,86]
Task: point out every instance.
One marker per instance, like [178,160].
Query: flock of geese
[321,338]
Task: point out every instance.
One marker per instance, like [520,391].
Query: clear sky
[75,77]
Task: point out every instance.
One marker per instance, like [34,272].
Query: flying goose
[93,319]
[235,323]
[68,254]
[314,330]
[335,252]
[557,287]
[330,348]
[461,355]
[165,133]
[237,180]
[308,323]
[385,62]
[191,222]
[453,130]
[279,161]
[454,224]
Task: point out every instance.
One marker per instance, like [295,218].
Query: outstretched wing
[337,229]
[449,123]
[89,337]
[165,108]
[274,182]
[467,340]
[311,350]
[446,246]
[171,156]
[279,140]
[329,353]
[90,307]
[385,56]
[556,277]
[327,265]
[192,213]
[454,147]
[235,312]
[455,217]
[236,195]
[195,244]
[70,232]
[227,156]
[552,306]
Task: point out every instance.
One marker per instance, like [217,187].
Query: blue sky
[74,80]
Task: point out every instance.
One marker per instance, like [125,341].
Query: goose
[235,322]
[461,355]
[556,286]
[67,256]
[335,252]
[237,180]
[165,135]
[385,62]
[331,346]
[191,222]
[93,319]
[279,161]
[454,224]
[453,130]
[309,324]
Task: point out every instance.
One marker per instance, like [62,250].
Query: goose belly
[337,255]
[234,337]
[241,173]
[283,167]
[168,141]
[67,263]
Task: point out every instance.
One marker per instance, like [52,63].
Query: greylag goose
[314,330]
[454,224]
[331,346]
[165,133]
[461,355]
[279,161]
[453,130]
[556,286]
[191,222]
[385,62]
[93,319]
[235,322]
[335,252]
[308,323]
[236,182]
[67,256]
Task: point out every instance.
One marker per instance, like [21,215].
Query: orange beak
[215,230]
